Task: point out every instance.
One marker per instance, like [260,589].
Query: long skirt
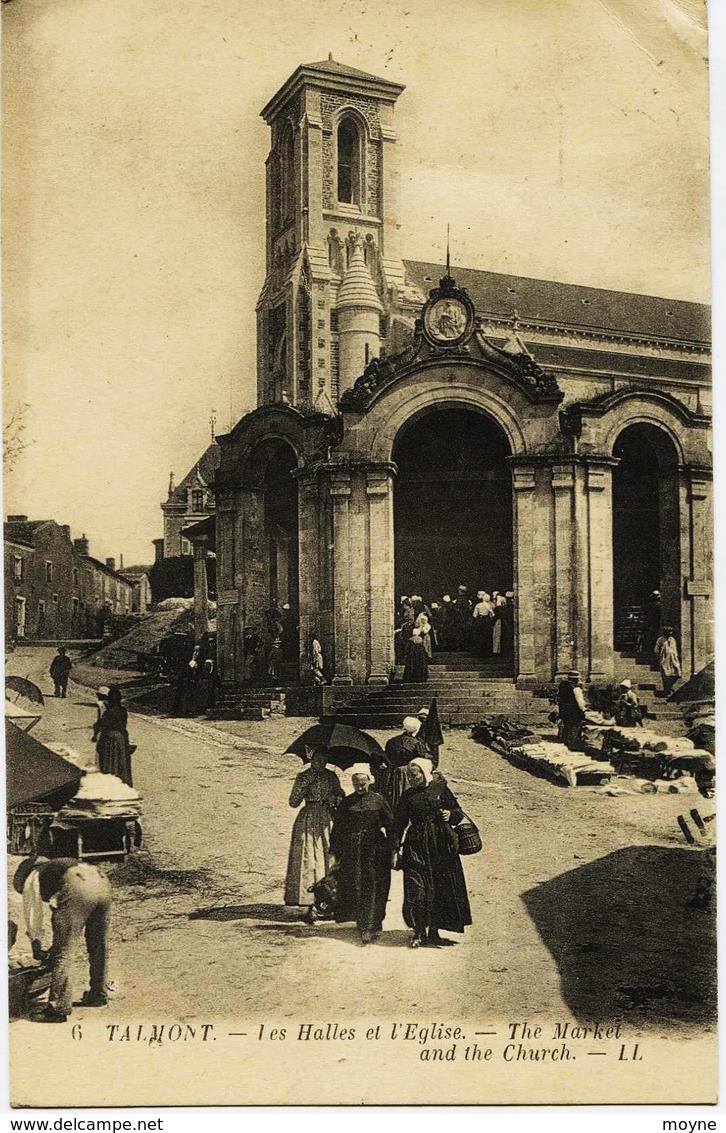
[364,880]
[391,782]
[113,756]
[309,856]
[434,888]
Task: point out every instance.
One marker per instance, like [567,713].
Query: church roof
[547,303]
[203,471]
[335,76]
[331,67]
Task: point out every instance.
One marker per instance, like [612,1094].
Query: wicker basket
[468,837]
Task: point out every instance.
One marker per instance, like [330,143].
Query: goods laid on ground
[539,756]
[501,730]
[640,752]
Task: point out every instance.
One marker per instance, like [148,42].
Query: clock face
[447,319]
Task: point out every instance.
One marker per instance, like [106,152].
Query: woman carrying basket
[434,888]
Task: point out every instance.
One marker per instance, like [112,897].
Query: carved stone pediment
[471,349]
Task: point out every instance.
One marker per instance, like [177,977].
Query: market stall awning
[21,716]
[34,771]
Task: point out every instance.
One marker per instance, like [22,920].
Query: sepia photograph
[359,547]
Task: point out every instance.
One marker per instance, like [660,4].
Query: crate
[25,825]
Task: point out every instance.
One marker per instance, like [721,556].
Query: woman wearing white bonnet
[434,888]
[392,779]
[361,845]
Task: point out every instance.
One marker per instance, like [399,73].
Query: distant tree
[14,439]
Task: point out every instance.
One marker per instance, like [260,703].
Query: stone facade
[576,384]
[53,587]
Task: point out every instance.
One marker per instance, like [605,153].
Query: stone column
[340,492]
[201,595]
[699,586]
[309,556]
[379,489]
[563,488]
[227,594]
[523,483]
[251,566]
[599,489]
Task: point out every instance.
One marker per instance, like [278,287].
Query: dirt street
[584,906]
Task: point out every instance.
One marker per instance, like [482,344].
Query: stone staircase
[467,689]
[647,684]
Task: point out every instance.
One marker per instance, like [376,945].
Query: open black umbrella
[23,687]
[342,744]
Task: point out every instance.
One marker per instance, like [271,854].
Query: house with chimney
[54,588]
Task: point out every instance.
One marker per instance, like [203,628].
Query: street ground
[586,907]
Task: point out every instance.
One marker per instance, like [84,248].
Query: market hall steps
[466,687]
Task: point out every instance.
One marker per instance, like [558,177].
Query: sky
[561,139]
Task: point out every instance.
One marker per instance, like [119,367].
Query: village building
[421,426]
[138,576]
[53,588]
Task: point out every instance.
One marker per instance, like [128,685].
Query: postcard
[359,553]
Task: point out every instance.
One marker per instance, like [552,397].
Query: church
[421,426]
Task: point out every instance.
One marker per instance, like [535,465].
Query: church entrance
[453,518]
[646,544]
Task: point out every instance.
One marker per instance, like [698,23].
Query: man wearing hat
[627,710]
[60,670]
[571,709]
[80,898]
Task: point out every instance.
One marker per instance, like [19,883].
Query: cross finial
[448,251]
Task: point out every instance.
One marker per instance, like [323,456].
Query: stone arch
[646,414]
[399,405]
[275,424]
[646,533]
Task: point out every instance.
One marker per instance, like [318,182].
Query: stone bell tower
[333,266]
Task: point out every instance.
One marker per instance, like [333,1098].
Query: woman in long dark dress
[434,888]
[392,776]
[112,743]
[360,844]
[416,667]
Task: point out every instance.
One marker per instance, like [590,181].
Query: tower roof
[357,288]
[331,75]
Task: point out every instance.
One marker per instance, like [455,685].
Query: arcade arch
[646,528]
[452,506]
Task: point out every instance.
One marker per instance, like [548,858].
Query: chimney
[66,531]
[81,545]
[111,564]
[17,519]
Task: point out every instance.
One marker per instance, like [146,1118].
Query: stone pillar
[251,567]
[563,488]
[309,556]
[201,595]
[523,483]
[699,586]
[599,489]
[379,489]
[227,593]
[340,492]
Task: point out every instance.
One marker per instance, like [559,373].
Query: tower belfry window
[287,175]
[349,163]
